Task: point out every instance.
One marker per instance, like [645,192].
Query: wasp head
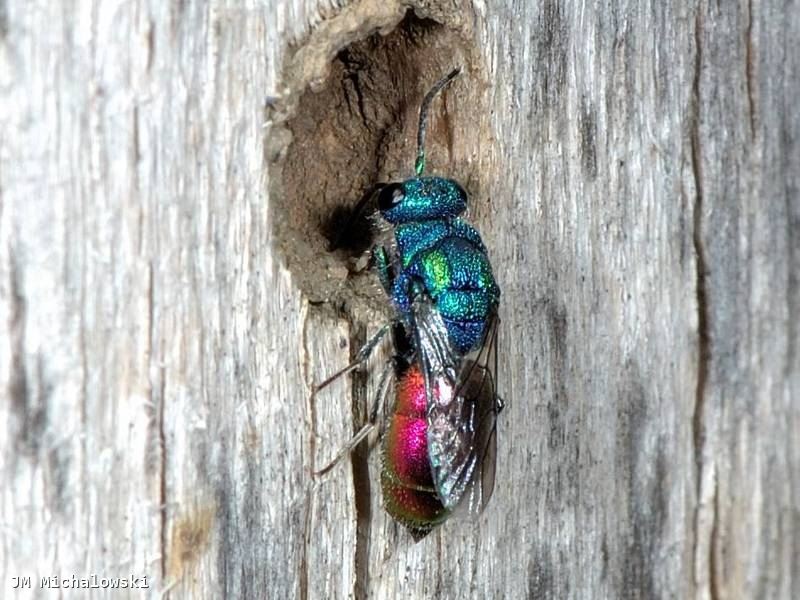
[420,199]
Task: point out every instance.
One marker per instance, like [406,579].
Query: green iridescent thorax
[438,255]
[455,264]
[436,268]
[464,305]
[414,237]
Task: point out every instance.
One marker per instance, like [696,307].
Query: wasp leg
[380,394]
[406,287]
[348,448]
[383,267]
[383,388]
[361,358]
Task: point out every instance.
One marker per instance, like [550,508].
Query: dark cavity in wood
[358,130]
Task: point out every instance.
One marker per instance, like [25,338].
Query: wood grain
[638,191]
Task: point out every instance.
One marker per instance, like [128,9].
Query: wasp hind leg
[369,427]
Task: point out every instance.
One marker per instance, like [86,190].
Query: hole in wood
[359,129]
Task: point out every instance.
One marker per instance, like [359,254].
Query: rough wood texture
[156,357]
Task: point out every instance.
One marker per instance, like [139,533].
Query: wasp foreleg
[383,268]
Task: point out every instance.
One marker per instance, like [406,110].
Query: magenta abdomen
[406,477]
[407,451]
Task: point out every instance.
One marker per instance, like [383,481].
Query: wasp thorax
[422,199]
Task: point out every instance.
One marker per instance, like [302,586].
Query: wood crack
[4,27]
[303,575]
[162,440]
[750,68]
[362,488]
[704,349]
[157,401]
[17,390]
[84,418]
[303,561]
[712,546]
[703,326]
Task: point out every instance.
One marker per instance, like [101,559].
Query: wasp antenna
[419,164]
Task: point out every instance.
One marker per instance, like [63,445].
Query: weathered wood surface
[157,356]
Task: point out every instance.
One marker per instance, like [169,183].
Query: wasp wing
[438,361]
[462,411]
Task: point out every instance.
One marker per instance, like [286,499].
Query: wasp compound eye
[391,196]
